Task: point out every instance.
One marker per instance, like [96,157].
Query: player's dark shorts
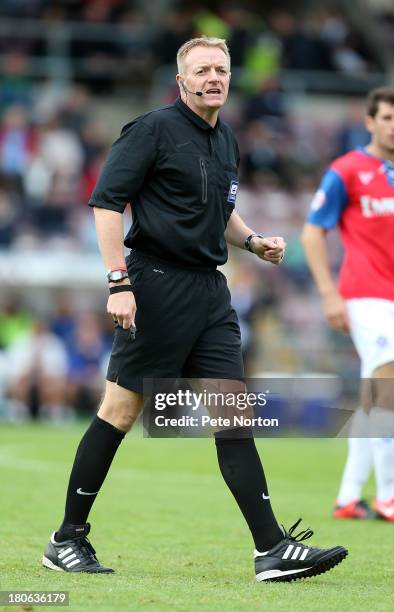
[186,326]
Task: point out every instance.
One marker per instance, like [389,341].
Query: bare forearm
[109,228]
[269,249]
[237,231]
[334,307]
[314,243]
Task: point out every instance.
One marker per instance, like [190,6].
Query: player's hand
[335,311]
[122,307]
[270,249]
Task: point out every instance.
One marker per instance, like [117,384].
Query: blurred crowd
[262,39]
[52,148]
[50,157]
[52,366]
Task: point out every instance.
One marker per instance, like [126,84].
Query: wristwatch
[116,276]
[249,240]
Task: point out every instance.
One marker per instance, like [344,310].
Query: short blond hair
[204,41]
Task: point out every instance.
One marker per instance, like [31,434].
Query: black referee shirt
[181,177]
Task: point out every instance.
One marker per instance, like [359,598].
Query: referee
[178,166]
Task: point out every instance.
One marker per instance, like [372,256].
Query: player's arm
[121,177]
[326,209]
[270,249]
[109,228]
[315,247]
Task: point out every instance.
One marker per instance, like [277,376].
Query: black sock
[92,462]
[244,475]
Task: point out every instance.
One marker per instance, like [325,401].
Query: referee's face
[206,69]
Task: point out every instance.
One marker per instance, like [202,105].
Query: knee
[383,386]
[120,414]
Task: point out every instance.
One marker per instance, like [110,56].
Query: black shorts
[186,326]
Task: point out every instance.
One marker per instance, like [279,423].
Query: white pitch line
[13,462]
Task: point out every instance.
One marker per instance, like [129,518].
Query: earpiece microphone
[195,93]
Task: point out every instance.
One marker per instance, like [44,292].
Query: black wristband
[249,239]
[120,289]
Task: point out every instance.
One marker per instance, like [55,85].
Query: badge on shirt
[232,194]
[365,177]
[319,200]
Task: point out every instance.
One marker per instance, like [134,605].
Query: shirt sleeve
[329,201]
[125,169]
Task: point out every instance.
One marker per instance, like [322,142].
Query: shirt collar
[192,116]
[368,154]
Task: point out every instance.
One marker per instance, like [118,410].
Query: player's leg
[359,463]
[237,455]
[357,469]
[163,339]
[68,549]
[217,356]
[116,416]
[372,331]
[382,428]
[242,470]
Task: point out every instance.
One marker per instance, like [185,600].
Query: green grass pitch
[168,525]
